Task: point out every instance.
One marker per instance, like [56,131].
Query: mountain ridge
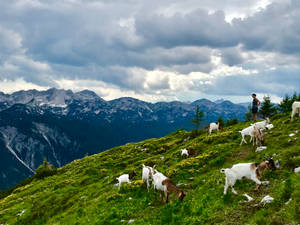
[88,94]
[89,123]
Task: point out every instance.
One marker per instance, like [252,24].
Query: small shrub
[44,170]
[230,122]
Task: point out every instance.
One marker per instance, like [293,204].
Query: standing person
[255,104]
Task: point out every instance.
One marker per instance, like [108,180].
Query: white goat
[158,178]
[262,124]
[165,184]
[251,171]
[213,126]
[184,152]
[295,109]
[147,174]
[188,152]
[248,131]
[125,178]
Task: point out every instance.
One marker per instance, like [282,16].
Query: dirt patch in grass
[241,154]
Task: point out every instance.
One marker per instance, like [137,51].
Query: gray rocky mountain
[61,126]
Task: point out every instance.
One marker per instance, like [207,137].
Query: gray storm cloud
[45,41]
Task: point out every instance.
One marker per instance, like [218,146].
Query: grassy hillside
[83,191]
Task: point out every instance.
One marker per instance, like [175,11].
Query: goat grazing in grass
[147,174]
[247,131]
[262,124]
[255,133]
[251,171]
[184,152]
[295,109]
[125,178]
[188,152]
[214,126]
[258,136]
[165,184]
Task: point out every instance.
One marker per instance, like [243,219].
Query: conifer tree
[231,121]
[285,105]
[294,97]
[45,162]
[267,108]
[221,121]
[198,118]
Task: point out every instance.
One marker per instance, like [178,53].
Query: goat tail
[222,170]
[240,131]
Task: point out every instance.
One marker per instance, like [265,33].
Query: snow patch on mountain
[52,97]
[43,129]
[7,141]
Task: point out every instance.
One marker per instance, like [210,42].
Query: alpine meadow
[149,112]
[84,191]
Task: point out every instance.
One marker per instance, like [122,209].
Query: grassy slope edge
[82,192]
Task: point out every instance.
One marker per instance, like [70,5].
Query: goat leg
[167,196]
[257,181]
[265,182]
[233,191]
[257,187]
[161,196]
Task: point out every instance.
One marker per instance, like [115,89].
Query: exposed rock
[267,199]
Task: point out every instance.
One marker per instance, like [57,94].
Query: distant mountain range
[245,104]
[61,126]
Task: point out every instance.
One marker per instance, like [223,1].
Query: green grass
[82,192]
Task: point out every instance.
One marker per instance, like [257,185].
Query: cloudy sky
[158,50]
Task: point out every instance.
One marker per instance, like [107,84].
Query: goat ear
[154,166]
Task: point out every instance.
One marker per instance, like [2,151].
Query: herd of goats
[236,172]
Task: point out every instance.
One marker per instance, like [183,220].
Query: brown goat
[251,171]
[258,136]
[191,152]
[171,187]
[132,174]
[268,164]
